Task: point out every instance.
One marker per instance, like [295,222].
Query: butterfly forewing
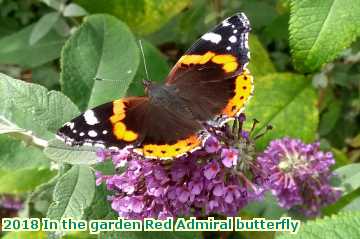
[212,74]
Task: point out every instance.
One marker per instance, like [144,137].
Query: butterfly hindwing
[135,122]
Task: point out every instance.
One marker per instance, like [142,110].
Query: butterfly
[209,84]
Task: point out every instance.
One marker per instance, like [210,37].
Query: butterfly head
[148,84]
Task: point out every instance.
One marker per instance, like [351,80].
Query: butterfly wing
[211,79]
[212,75]
[134,122]
[111,125]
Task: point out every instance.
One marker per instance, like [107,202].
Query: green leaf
[62,153]
[260,63]
[55,4]
[33,108]
[46,75]
[62,27]
[16,49]
[349,176]
[320,30]
[329,117]
[100,208]
[23,180]
[288,103]
[99,60]
[340,158]
[341,203]
[150,235]
[8,127]
[14,155]
[17,235]
[79,235]
[267,208]
[157,67]
[260,13]
[344,225]
[186,27]
[73,193]
[43,26]
[41,197]
[352,206]
[142,16]
[74,10]
[355,142]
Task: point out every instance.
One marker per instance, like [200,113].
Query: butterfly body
[209,84]
[167,97]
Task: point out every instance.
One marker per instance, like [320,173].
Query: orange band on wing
[243,89]
[166,151]
[119,128]
[229,62]
[196,59]
[118,111]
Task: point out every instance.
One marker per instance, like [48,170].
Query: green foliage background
[59,57]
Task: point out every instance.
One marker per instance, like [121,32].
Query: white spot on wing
[225,23]
[99,145]
[235,31]
[82,134]
[92,133]
[213,37]
[70,124]
[228,48]
[104,132]
[60,138]
[90,117]
[232,39]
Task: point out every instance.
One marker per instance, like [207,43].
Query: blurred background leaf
[43,26]
[23,180]
[260,63]
[142,16]
[17,235]
[276,101]
[74,10]
[16,48]
[152,235]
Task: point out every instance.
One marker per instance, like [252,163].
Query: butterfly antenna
[147,81]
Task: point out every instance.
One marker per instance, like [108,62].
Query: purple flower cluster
[299,175]
[221,178]
[210,180]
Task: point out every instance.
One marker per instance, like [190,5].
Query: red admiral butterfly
[209,84]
